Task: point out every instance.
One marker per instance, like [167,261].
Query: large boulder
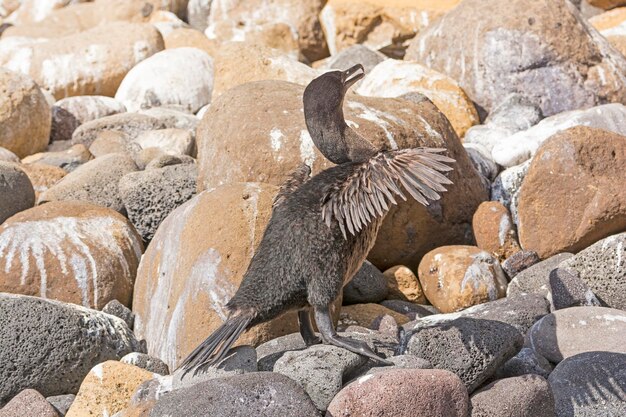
[267,116]
[16,190]
[573,194]
[50,346]
[24,114]
[546,50]
[70,251]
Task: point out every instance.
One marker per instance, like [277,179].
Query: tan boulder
[24,114]
[192,38]
[457,277]
[494,230]
[573,194]
[92,62]
[43,176]
[364,315]
[107,389]
[404,285]
[379,24]
[267,116]
[70,251]
[609,19]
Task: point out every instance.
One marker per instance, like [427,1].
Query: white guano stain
[365,378]
[98,371]
[307,148]
[276,142]
[376,117]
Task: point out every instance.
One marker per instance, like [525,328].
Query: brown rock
[494,229]
[522,396]
[24,114]
[8,156]
[28,403]
[618,42]
[111,141]
[606,4]
[187,37]
[573,194]
[457,277]
[404,285]
[107,388]
[273,125]
[608,20]
[70,251]
[43,176]
[68,159]
[99,57]
[366,314]
[403,393]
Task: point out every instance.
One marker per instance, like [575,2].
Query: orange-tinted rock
[494,229]
[365,314]
[606,4]
[609,19]
[404,285]
[70,251]
[186,37]
[43,176]
[573,194]
[457,277]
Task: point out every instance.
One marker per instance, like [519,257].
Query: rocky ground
[142,143]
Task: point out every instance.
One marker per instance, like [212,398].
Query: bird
[321,228]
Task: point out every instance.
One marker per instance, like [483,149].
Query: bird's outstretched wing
[291,184]
[369,191]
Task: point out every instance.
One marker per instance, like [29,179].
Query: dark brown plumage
[322,228]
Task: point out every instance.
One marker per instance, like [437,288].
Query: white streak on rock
[307,148]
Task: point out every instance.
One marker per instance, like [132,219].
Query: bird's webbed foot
[306,329]
[330,336]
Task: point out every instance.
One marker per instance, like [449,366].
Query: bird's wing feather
[369,192]
[291,184]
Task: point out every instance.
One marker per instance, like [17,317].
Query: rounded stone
[365,315]
[70,251]
[494,229]
[8,156]
[71,112]
[28,403]
[16,190]
[368,286]
[43,176]
[522,396]
[68,158]
[404,285]
[457,277]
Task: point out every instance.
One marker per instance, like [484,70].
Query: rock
[555,74]
[482,160]
[606,21]
[565,333]
[369,285]
[567,290]
[16,190]
[107,388]
[100,57]
[272,350]
[263,394]
[24,114]
[8,156]
[28,403]
[71,112]
[79,253]
[606,4]
[119,310]
[55,365]
[68,159]
[165,160]
[275,128]
[61,403]
[515,113]
[172,118]
[518,262]
[590,384]
[506,187]
[111,141]
[471,348]
[149,196]
[603,267]
[486,135]
[536,279]
[95,182]
[526,362]
[409,309]
[189,38]
[522,146]
[147,362]
[171,141]
[494,230]
[234,21]
[43,176]
[457,277]
[572,195]
[378,24]
[401,362]
[132,124]
[320,370]
[403,393]
[383,344]
[365,314]
[522,396]
[356,54]
[403,285]
[393,78]
[237,63]
[157,81]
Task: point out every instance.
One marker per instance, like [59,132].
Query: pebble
[403,285]
[521,396]
[16,190]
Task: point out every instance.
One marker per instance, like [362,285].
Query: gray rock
[515,113]
[506,186]
[165,160]
[269,352]
[567,290]
[71,112]
[369,285]
[575,330]
[8,156]
[356,54]
[171,141]
[94,182]
[471,348]
[536,279]
[320,370]
[486,136]
[409,309]
[481,158]
[198,14]
[50,346]
[521,396]
[518,262]
[259,394]
[150,195]
[16,190]
[61,403]
[386,345]
[147,362]
[386,325]
[172,118]
[603,267]
[117,309]
[69,159]
[527,361]
[129,123]
[399,362]
[590,384]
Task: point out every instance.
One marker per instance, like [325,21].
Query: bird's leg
[330,336]
[306,329]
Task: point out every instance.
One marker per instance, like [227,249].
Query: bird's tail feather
[216,346]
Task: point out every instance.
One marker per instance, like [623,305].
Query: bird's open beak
[352,75]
